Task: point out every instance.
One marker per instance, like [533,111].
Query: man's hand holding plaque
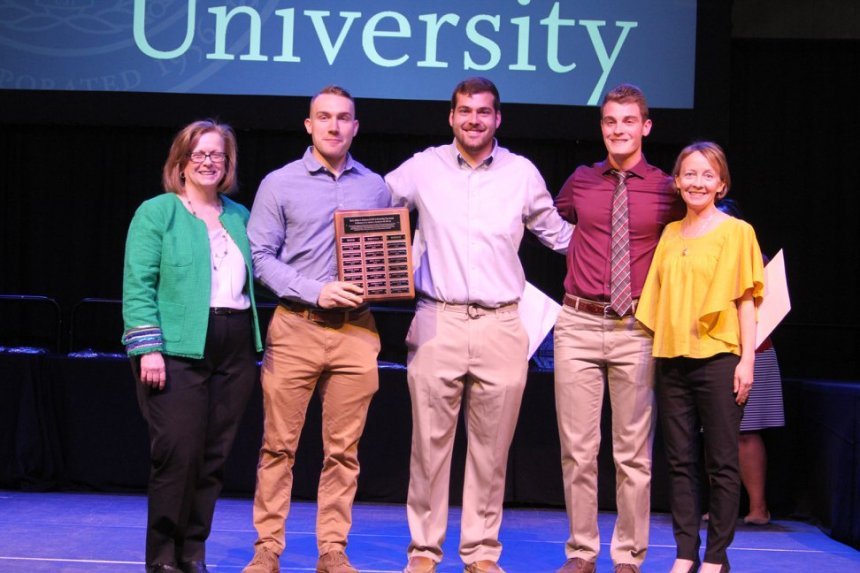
[340,294]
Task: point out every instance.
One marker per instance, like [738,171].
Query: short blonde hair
[183,144]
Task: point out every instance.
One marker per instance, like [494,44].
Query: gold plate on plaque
[374,251]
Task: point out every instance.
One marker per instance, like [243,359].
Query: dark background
[775,87]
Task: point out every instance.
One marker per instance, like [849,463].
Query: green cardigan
[167,278]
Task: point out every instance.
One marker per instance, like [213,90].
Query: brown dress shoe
[264,561]
[626,568]
[335,562]
[577,565]
[483,567]
[420,565]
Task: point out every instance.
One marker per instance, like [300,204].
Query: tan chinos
[592,352]
[475,357]
[340,361]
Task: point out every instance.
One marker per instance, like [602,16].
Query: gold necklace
[703,228]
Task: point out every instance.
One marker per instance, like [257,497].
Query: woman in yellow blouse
[700,302]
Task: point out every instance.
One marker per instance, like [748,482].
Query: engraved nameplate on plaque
[374,251]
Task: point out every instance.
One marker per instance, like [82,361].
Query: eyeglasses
[213,156]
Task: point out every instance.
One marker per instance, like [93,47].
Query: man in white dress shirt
[466,343]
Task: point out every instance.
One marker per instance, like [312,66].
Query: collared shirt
[471,222]
[291,229]
[586,201]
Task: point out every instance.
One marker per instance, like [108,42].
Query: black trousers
[192,425]
[696,396]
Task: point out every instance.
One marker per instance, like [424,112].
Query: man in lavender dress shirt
[466,343]
[594,346]
[321,336]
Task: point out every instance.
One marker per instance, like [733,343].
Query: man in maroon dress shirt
[598,343]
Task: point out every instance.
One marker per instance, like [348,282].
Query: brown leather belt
[597,308]
[334,317]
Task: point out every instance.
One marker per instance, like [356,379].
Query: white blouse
[229,273]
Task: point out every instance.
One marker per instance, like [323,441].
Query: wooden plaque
[374,251]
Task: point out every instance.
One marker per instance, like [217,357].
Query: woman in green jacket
[192,333]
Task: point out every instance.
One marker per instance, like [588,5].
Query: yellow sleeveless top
[688,300]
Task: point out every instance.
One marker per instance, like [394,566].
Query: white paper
[776,303]
[538,313]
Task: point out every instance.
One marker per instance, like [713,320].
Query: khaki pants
[591,352]
[477,359]
[300,356]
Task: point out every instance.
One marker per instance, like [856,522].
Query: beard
[473,144]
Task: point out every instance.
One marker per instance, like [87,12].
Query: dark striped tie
[620,296]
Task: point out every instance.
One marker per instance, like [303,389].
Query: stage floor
[100,533]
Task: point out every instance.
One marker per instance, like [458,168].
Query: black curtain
[794,154]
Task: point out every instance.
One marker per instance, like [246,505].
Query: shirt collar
[637,170]
[313,165]
[484,164]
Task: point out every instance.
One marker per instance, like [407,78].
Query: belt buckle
[474,311]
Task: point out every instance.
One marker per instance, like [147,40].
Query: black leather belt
[220,310]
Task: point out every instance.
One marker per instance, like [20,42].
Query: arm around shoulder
[543,218]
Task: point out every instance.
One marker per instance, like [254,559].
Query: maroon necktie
[620,295]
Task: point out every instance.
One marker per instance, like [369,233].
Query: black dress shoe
[166,568]
[193,567]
